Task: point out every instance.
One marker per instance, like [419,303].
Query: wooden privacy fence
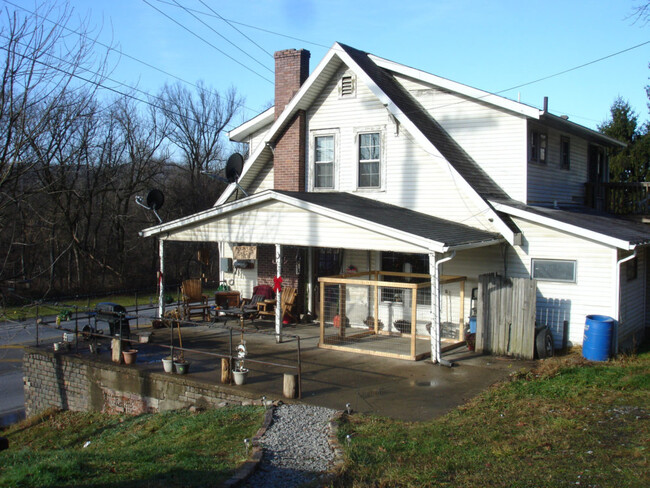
[505,318]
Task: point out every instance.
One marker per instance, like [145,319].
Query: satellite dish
[234,167]
[155,199]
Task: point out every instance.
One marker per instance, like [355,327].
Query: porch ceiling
[340,220]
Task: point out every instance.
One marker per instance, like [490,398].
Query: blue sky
[489,45]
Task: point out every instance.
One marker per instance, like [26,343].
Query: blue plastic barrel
[597,341]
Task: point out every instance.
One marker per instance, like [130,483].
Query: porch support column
[435,308]
[310,281]
[278,295]
[161,280]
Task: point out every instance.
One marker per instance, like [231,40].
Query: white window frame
[382,158]
[334,133]
[533,261]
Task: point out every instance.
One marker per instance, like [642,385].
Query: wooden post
[290,385]
[461,330]
[435,307]
[321,312]
[226,373]
[376,305]
[161,280]
[116,354]
[414,316]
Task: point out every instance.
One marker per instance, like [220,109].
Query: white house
[368,164]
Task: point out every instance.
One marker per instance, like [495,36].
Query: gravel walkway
[296,449]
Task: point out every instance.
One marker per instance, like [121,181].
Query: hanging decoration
[277,284]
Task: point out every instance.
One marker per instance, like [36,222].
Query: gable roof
[417,229]
[583,222]
[428,126]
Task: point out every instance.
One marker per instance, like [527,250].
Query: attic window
[347,86]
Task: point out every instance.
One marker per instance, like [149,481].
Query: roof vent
[347,86]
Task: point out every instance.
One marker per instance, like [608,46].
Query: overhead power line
[208,42]
[223,37]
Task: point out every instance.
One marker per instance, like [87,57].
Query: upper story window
[554,270]
[324,161]
[565,152]
[369,160]
[538,146]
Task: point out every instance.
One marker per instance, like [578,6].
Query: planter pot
[182,368]
[240,376]
[168,365]
[130,356]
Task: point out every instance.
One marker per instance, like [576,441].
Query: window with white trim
[554,270]
[324,161]
[369,160]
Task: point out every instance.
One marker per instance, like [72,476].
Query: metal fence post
[76,329]
[37,317]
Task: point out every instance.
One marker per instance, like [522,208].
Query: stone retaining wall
[72,382]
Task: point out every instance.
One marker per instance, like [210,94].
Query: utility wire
[207,42]
[223,37]
[100,85]
[118,51]
[231,25]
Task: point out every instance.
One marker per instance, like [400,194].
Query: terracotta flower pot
[130,356]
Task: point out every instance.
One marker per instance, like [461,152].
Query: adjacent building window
[369,160]
[554,270]
[538,146]
[565,152]
[324,162]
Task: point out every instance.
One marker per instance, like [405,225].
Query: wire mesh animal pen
[386,314]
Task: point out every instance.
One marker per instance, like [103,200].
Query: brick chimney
[291,71]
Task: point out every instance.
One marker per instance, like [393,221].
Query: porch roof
[328,219]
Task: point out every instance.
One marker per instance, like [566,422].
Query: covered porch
[314,221]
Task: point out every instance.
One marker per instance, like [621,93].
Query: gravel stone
[296,449]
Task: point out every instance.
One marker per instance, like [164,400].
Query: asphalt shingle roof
[633,232]
[436,229]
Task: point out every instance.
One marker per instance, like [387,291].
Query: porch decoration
[277,284]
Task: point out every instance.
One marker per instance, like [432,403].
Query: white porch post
[310,280]
[278,295]
[161,280]
[435,308]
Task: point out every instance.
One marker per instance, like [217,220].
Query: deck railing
[619,198]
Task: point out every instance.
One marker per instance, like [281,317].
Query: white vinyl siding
[276,222]
[415,179]
[592,292]
[549,183]
[494,138]
[263,181]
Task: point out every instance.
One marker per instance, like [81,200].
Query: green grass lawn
[170,449]
[570,423]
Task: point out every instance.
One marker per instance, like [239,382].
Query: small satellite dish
[155,199]
[234,167]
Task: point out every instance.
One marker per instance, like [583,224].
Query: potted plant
[240,372]
[168,364]
[180,364]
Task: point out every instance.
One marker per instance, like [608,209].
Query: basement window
[346,87]
[554,270]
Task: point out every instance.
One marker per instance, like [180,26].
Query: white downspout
[434,271]
[617,295]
